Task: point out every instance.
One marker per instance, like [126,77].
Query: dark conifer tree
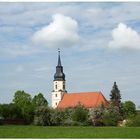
[115,96]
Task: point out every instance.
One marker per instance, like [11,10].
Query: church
[62,99]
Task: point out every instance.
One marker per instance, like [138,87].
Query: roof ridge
[84,92]
[104,97]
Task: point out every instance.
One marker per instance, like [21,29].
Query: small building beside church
[62,99]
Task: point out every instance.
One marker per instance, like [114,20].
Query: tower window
[56,103]
[55,86]
[55,95]
[63,86]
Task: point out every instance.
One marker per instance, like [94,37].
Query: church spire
[59,75]
[59,88]
[59,60]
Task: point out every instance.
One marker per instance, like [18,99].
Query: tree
[80,114]
[129,109]
[96,115]
[39,100]
[42,116]
[115,97]
[111,116]
[23,100]
[10,111]
[4,111]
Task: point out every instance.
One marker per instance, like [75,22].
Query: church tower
[58,84]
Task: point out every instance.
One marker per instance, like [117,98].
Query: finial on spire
[59,60]
[58,51]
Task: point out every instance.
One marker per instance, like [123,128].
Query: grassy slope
[12,131]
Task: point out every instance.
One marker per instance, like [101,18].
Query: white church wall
[56,98]
[58,85]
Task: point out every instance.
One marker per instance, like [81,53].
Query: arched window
[56,103]
[55,95]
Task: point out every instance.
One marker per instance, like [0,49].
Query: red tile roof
[88,99]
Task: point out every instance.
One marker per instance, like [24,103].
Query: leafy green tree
[10,111]
[24,100]
[42,116]
[128,109]
[115,97]
[39,100]
[80,114]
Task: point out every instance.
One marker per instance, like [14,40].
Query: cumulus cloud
[61,32]
[124,37]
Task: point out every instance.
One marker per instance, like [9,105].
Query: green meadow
[29,131]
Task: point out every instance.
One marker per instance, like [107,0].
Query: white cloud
[124,37]
[61,32]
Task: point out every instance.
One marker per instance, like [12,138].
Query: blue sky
[99,42]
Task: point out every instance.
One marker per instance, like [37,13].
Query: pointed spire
[59,75]
[59,60]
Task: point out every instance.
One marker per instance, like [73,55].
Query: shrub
[70,122]
[28,114]
[1,120]
[58,116]
[95,116]
[80,114]
[10,111]
[134,121]
[111,116]
[42,116]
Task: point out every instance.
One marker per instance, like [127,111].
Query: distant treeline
[27,110]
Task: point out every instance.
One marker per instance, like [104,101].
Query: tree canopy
[115,96]
[39,100]
[129,109]
[24,100]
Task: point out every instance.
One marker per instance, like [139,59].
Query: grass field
[15,131]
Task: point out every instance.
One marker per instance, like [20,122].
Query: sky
[99,43]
